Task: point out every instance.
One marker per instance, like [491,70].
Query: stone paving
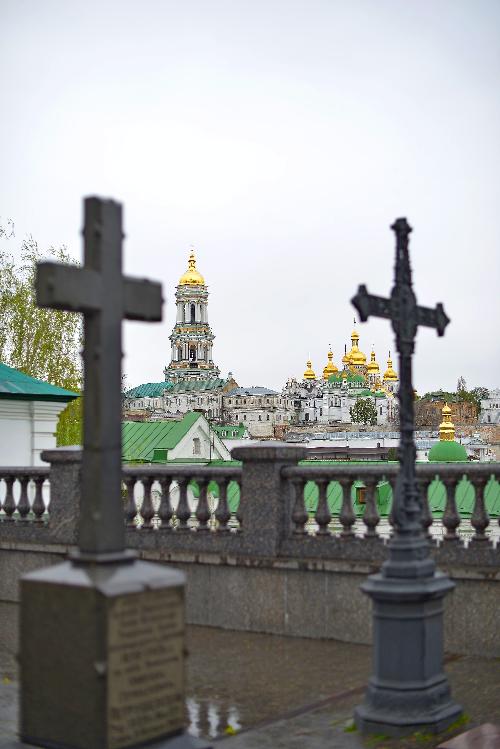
[288,693]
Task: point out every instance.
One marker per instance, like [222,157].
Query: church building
[192,337]
[328,399]
[192,381]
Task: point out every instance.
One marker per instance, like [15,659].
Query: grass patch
[350,727]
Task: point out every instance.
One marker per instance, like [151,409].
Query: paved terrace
[288,693]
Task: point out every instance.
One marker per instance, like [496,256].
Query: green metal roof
[149,390]
[16,385]
[447,451]
[229,431]
[155,389]
[232,491]
[465,497]
[142,439]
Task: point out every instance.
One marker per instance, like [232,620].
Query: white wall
[27,428]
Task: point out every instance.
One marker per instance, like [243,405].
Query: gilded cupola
[356,357]
[330,367]
[309,374]
[389,374]
[192,277]
[446,428]
[447,450]
[372,367]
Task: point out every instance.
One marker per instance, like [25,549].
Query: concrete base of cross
[408,690]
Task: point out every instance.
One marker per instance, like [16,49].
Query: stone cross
[105,296]
[408,690]
[406,315]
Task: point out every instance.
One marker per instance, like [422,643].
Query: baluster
[427,519]
[222,513]
[165,512]
[38,507]
[239,511]
[371,518]
[202,509]
[23,505]
[347,516]
[147,510]
[9,505]
[183,512]
[322,515]
[299,513]
[131,506]
[480,519]
[451,518]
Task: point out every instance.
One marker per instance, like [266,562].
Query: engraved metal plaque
[145,666]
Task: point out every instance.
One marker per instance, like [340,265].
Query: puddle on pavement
[240,679]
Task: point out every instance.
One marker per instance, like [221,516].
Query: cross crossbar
[80,290]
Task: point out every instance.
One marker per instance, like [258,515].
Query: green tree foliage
[364,412]
[69,425]
[474,396]
[42,343]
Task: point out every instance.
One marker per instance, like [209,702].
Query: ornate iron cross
[105,296]
[405,315]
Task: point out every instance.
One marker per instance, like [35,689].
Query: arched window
[196,446]
[193,313]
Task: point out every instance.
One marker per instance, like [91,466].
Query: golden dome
[309,373]
[389,374]
[191,277]
[372,366]
[356,357]
[330,368]
[446,428]
[345,359]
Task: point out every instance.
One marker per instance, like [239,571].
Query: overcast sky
[281,139]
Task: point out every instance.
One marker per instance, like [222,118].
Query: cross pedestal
[408,690]
[102,634]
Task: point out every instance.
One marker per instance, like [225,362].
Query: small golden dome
[192,277]
[309,373]
[372,366]
[346,359]
[330,368]
[446,428]
[389,374]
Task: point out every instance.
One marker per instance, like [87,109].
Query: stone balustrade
[24,494]
[272,545]
[272,505]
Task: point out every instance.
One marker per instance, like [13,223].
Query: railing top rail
[191,472]
[424,470]
[19,471]
[313,472]
[471,470]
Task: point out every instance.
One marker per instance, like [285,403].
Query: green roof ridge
[16,385]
